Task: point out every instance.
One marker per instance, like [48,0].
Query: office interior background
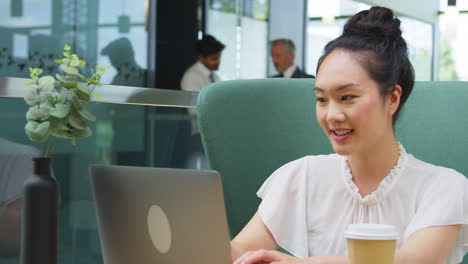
[152,43]
[155,45]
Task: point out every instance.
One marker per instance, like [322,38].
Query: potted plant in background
[57,110]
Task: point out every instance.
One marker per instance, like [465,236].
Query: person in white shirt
[364,78]
[283,54]
[203,72]
[199,75]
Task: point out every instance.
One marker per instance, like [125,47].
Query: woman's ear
[394,99]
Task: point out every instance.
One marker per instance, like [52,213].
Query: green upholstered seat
[250,128]
[434,124]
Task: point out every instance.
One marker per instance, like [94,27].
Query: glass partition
[453,40]
[34,32]
[127,133]
[242,25]
[326,21]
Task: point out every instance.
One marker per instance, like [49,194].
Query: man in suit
[282,54]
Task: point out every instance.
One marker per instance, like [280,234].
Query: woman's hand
[270,256]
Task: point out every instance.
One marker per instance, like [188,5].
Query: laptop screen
[158,215]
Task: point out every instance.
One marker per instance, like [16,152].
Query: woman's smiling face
[350,108]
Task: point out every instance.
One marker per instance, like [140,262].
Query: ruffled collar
[384,186]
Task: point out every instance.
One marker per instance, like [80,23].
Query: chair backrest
[434,123]
[250,128]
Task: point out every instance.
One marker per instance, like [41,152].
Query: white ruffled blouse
[308,203]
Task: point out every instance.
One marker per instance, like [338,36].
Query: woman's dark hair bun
[375,37]
[375,22]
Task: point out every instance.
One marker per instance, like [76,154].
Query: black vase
[39,230]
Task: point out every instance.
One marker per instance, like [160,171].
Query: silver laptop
[156,215]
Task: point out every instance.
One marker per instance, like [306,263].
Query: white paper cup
[371,243]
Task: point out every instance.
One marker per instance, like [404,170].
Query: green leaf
[37,113]
[60,110]
[47,82]
[75,61]
[32,98]
[30,85]
[77,103]
[82,76]
[83,95]
[37,131]
[93,82]
[61,78]
[35,71]
[67,48]
[76,121]
[84,88]
[101,69]
[69,85]
[66,95]
[59,61]
[66,54]
[60,98]
[66,78]
[82,63]
[86,114]
[49,99]
[61,133]
[58,128]
[69,70]
[82,132]
[58,124]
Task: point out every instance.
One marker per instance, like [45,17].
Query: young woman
[363,80]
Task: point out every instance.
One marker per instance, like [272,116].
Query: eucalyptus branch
[43,148]
[52,143]
[57,105]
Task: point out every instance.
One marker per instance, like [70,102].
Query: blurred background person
[197,76]
[203,72]
[282,55]
[122,58]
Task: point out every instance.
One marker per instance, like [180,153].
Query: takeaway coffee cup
[371,243]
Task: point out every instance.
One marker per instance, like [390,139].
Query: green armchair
[249,128]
